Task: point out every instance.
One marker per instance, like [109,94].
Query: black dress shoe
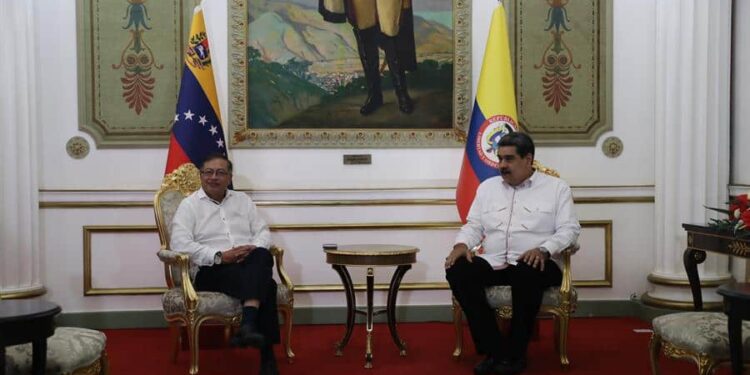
[248,336]
[486,366]
[269,368]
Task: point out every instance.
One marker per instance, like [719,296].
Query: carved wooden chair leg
[287,313]
[459,328]
[227,333]
[654,347]
[175,331]
[562,336]
[706,367]
[193,332]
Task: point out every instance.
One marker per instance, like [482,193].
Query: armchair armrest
[567,278]
[169,257]
[278,255]
[181,261]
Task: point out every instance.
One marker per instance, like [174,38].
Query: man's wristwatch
[217,257]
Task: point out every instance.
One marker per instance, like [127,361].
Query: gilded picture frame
[335,120]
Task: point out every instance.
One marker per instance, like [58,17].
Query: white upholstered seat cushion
[500,295]
[68,349]
[700,332]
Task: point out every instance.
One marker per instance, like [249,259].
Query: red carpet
[596,346]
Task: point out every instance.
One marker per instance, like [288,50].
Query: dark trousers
[468,281]
[249,279]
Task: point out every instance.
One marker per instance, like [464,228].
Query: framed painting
[562,60]
[304,76]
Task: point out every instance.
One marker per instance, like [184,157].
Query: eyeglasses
[211,173]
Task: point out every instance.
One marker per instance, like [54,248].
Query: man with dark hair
[224,235]
[523,219]
[385,23]
[521,141]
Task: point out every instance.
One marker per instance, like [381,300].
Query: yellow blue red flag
[494,115]
[197,130]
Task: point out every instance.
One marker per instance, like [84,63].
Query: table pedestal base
[369,313]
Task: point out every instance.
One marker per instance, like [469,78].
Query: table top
[372,250]
[705,238]
[16,310]
[735,290]
[370,254]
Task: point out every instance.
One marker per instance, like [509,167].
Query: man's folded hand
[236,254]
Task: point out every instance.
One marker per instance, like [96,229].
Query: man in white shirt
[523,219]
[224,235]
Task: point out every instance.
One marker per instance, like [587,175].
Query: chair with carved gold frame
[183,306]
[560,301]
[698,336]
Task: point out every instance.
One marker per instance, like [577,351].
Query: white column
[691,139]
[20,257]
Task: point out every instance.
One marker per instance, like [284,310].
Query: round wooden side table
[27,320]
[370,256]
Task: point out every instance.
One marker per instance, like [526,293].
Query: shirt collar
[203,196]
[526,183]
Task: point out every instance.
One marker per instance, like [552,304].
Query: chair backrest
[541,168]
[174,188]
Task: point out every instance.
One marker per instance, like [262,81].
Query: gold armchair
[183,306]
[560,301]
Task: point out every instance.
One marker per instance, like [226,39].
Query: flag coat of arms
[493,116]
[197,131]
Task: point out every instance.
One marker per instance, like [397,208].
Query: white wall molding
[420,196]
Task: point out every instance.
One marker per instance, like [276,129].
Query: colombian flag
[494,115]
[197,131]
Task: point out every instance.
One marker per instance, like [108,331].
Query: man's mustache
[504,171]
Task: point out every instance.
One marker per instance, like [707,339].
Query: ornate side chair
[183,306]
[698,336]
[559,301]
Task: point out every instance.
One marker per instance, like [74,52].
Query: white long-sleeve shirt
[202,226]
[538,213]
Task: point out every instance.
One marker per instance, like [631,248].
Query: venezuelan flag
[197,130]
[494,115]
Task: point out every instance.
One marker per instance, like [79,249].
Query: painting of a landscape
[305,73]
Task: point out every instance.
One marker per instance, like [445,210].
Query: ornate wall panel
[129,68]
[562,52]
[121,260]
